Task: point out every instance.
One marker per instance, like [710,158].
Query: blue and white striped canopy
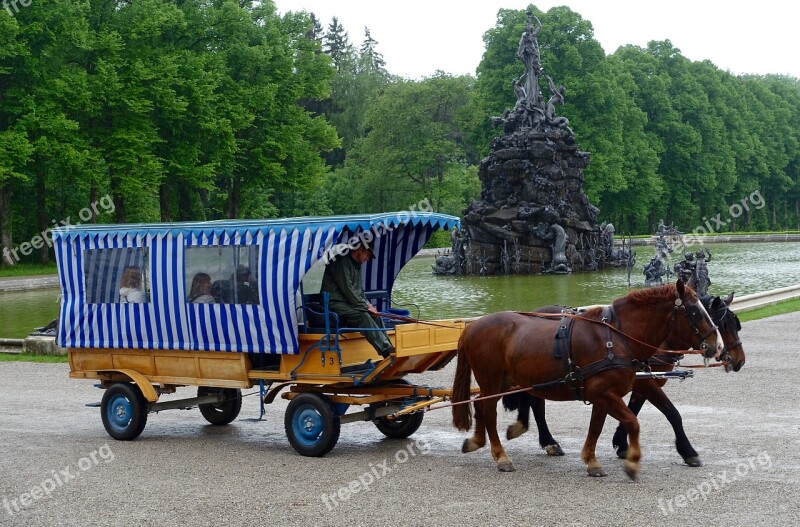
[92,317]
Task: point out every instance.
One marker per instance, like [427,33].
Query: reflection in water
[740,267]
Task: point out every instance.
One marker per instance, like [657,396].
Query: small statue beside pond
[653,272]
[556,233]
[666,237]
[695,266]
[452,263]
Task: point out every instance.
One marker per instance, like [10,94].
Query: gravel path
[60,467]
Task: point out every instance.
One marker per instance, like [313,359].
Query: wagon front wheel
[311,424]
[225,411]
[401,426]
[124,411]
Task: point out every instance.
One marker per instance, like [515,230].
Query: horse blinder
[693,316]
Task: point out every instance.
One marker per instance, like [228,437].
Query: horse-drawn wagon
[232,305]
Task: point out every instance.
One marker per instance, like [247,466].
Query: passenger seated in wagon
[130,285]
[343,283]
[246,290]
[200,292]
[241,283]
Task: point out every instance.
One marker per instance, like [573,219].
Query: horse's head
[691,319]
[732,354]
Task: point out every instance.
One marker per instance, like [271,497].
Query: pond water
[740,267]
[743,268]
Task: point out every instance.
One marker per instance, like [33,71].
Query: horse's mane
[594,313]
[651,295]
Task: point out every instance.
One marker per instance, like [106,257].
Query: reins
[413,320]
[479,398]
[613,328]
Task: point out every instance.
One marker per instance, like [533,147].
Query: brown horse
[596,362]
[732,358]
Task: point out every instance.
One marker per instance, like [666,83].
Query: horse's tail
[462,413]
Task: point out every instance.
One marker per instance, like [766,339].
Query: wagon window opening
[116,275]
[312,280]
[222,274]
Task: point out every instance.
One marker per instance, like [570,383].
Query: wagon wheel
[401,426]
[124,411]
[311,424]
[224,412]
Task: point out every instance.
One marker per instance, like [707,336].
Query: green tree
[414,149]
[15,149]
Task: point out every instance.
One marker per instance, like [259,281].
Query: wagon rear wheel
[124,411]
[401,426]
[224,412]
[312,425]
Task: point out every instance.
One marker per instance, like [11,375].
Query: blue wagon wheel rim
[119,412]
[308,425]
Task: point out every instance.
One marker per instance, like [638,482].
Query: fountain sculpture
[532,215]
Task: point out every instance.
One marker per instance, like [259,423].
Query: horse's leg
[660,400]
[478,439]
[521,425]
[620,439]
[546,439]
[619,411]
[490,420]
[598,419]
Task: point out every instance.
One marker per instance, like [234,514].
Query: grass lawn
[788,306]
[26,269]
[22,357]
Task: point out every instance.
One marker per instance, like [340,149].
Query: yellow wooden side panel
[164,366]
[436,337]
[354,347]
[141,362]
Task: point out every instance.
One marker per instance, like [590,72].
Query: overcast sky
[418,37]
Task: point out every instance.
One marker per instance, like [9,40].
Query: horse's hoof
[693,461]
[632,470]
[554,450]
[622,453]
[596,472]
[515,430]
[469,446]
[506,466]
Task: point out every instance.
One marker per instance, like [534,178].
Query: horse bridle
[693,313]
[725,355]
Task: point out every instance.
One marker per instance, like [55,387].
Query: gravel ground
[60,467]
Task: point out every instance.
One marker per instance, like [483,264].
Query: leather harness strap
[562,342]
[574,380]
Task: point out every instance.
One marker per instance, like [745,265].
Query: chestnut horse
[597,364]
[732,357]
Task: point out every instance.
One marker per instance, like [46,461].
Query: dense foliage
[156,110]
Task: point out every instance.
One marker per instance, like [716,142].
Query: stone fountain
[532,215]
